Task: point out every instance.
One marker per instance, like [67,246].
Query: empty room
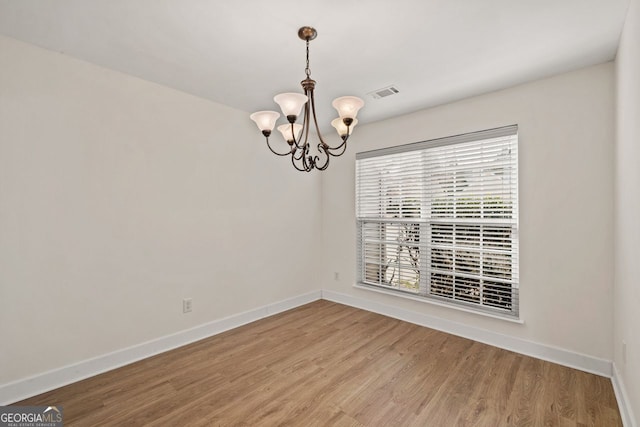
[332,213]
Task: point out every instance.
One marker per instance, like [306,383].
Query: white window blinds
[439,219]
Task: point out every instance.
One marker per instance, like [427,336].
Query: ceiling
[243,52]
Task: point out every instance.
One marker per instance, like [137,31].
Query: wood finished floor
[326,364]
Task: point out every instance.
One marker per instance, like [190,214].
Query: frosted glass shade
[342,128]
[291,103]
[265,120]
[348,106]
[285,130]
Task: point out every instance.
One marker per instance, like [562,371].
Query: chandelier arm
[275,152]
[305,157]
[297,141]
[307,115]
[307,164]
[323,149]
[300,157]
[307,70]
[305,126]
[305,121]
[325,166]
[342,146]
[293,162]
[316,159]
[315,119]
[301,160]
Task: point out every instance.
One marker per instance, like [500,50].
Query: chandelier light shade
[291,103]
[347,106]
[290,134]
[265,120]
[297,135]
[341,128]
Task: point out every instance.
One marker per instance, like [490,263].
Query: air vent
[384,92]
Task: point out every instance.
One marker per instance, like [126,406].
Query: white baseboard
[624,404]
[37,384]
[549,353]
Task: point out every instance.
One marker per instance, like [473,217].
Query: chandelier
[297,135]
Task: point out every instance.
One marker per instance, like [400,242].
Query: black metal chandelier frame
[297,136]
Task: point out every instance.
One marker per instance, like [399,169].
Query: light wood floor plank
[326,364]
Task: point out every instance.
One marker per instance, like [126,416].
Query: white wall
[627,208]
[566,220]
[120,197]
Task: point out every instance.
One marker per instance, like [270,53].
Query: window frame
[490,286]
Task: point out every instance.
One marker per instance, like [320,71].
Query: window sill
[438,303]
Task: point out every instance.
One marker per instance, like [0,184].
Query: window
[439,220]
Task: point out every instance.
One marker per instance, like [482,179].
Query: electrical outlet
[336,276]
[624,352]
[187,305]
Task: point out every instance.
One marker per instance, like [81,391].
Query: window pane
[444,212]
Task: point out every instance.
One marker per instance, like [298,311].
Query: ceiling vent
[384,92]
